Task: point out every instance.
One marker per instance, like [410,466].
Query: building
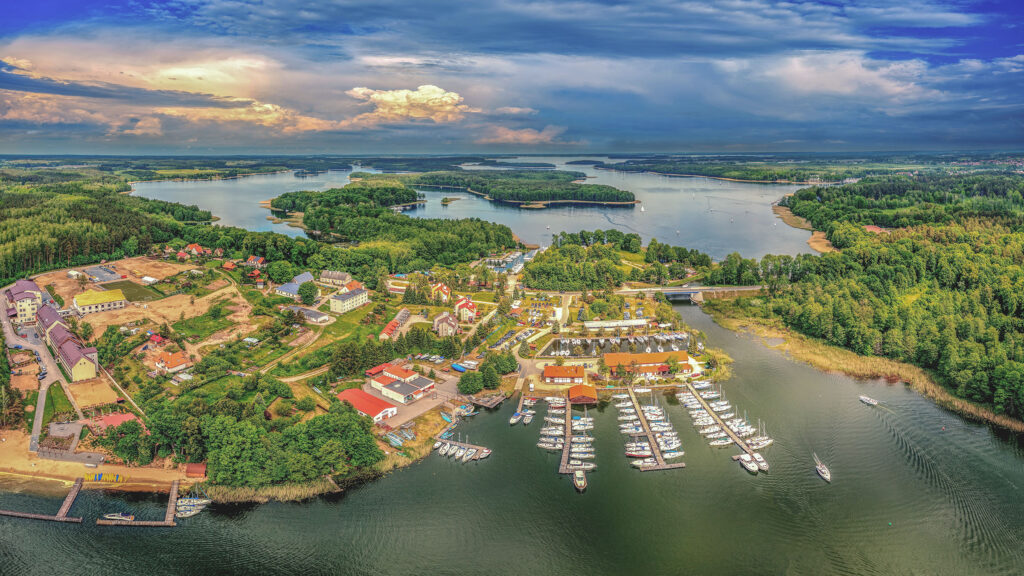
[368,405]
[401,385]
[196,249]
[98,301]
[342,303]
[23,300]
[172,362]
[446,325]
[563,374]
[335,278]
[465,309]
[148,280]
[353,285]
[182,256]
[47,318]
[650,363]
[81,362]
[440,290]
[582,394]
[291,289]
[256,262]
[195,469]
[397,322]
[310,315]
[116,419]
[229,266]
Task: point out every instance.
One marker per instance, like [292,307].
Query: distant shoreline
[793,182]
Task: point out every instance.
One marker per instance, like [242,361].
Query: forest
[513,185]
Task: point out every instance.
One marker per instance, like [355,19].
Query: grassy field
[56,402]
[201,327]
[134,292]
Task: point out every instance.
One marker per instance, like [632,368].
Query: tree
[491,380]
[85,331]
[308,292]
[280,271]
[470,383]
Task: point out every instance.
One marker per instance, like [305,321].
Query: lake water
[714,216]
[916,490]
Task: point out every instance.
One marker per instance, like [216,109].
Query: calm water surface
[714,216]
[916,490]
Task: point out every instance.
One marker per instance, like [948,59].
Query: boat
[437,445]
[188,511]
[549,445]
[190,501]
[581,465]
[644,463]
[670,454]
[747,462]
[642,390]
[869,400]
[822,470]
[620,396]
[762,464]
[720,442]
[469,455]
[119,516]
[579,480]
[515,418]
[446,416]
[527,418]
[582,455]
[460,453]
[484,454]
[581,440]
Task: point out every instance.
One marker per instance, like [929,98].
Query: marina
[470,452]
[168,521]
[656,453]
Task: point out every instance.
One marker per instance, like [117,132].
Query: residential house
[218,252]
[446,325]
[335,278]
[310,315]
[291,289]
[353,285]
[563,374]
[172,362]
[182,256]
[256,262]
[465,309]
[440,290]
[98,301]
[397,322]
[229,266]
[81,362]
[23,300]
[195,249]
[47,318]
[368,405]
[342,303]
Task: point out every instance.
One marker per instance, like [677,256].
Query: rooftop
[348,295]
[563,371]
[93,297]
[625,358]
[365,403]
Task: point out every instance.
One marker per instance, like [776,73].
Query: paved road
[33,342]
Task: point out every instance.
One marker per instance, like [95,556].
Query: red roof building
[377,369]
[115,420]
[368,405]
[399,373]
[563,374]
[229,266]
[582,394]
[195,470]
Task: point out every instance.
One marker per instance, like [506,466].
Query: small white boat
[642,390]
[670,454]
[720,442]
[437,445]
[644,463]
[579,480]
[460,453]
[582,440]
[762,464]
[469,455]
[484,454]
[869,400]
[515,418]
[119,516]
[620,396]
[747,462]
[527,418]
[444,449]
[581,465]
[822,470]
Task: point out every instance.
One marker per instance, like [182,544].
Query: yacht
[119,516]
[437,445]
[469,455]
[822,470]
[869,401]
[527,418]
[579,480]
[484,454]
[515,418]
[762,464]
[747,462]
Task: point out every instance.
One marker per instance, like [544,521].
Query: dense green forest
[763,172]
[513,185]
[944,294]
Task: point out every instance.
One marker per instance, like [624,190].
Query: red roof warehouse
[368,405]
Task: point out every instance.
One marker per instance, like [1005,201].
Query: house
[156,339]
[582,394]
[229,266]
[172,362]
[74,274]
[563,374]
[23,300]
[182,256]
[310,315]
[342,303]
[335,278]
[98,301]
[148,280]
[397,322]
[440,290]
[465,309]
[218,252]
[378,369]
[195,249]
[652,363]
[80,362]
[368,405]
[47,318]
[291,289]
[255,262]
[446,325]
[353,285]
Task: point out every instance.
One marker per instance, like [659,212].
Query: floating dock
[490,401]
[651,439]
[742,444]
[168,521]
[563,466]
[62,514]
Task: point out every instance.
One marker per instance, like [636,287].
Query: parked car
[17,346]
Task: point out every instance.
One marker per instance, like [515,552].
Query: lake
[916,490]
[714,216]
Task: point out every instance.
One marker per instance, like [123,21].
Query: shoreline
[818,242]
[792,182]
[831,359]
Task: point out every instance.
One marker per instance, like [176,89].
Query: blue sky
[347,76]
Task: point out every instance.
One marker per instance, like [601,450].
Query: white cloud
[427,102]
[525,136]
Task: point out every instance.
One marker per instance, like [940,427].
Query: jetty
[489,401]
[168,521]
[563,466]
[742,444]
[651,439]
[479,449]
[62,513]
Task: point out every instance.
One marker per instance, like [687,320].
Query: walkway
[62,513]
[721,423]
[168,521]
[652,439]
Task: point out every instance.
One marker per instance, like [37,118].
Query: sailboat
[822,470]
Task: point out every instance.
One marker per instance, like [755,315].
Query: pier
[62,513]
[651,439]
[563,466]
[168,521]
[721,423]
[489,402]
[479,449]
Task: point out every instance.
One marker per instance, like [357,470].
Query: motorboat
[581,440]
[549,445]
[581,465]
[720,442]
[188,511]
[527,418]
[515,418]
[579,480]
[644,463]
[437,445]
[582,455]
[748,462]
[444,449]
[484,454]
[460,453]
[762,464]
[119,516]
[670,454]
[869,400]
[822,470]
[620,396]
[189,501]
[553,420]
[469,455]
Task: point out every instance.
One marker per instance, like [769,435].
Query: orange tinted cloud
[503,135]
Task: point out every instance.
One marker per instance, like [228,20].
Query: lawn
[56,403]
[482,296]
[134,292]
[201,327]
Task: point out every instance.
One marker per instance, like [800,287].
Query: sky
[500,76]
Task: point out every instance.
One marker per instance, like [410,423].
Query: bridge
[694,293]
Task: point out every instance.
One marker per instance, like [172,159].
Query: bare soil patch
[93,392]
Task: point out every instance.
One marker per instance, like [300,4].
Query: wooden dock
[479,449]
[742,444]
[652,440]
[62,514]
[489,402]
[563,466]
[168,521]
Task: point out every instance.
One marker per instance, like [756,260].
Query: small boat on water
[515,418]
[446,416]
[644,463]
[527,418]
[460,453]
[642,390]
[188,511]
[762,464]
[444,449]
[581,465]
[720,442]
[869,400]
[670,454]
[579,480]
[620,396]
[189,501]
[484,454]
[437,445]
[747,462]
[822,470]
[119,516]
[469,455]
